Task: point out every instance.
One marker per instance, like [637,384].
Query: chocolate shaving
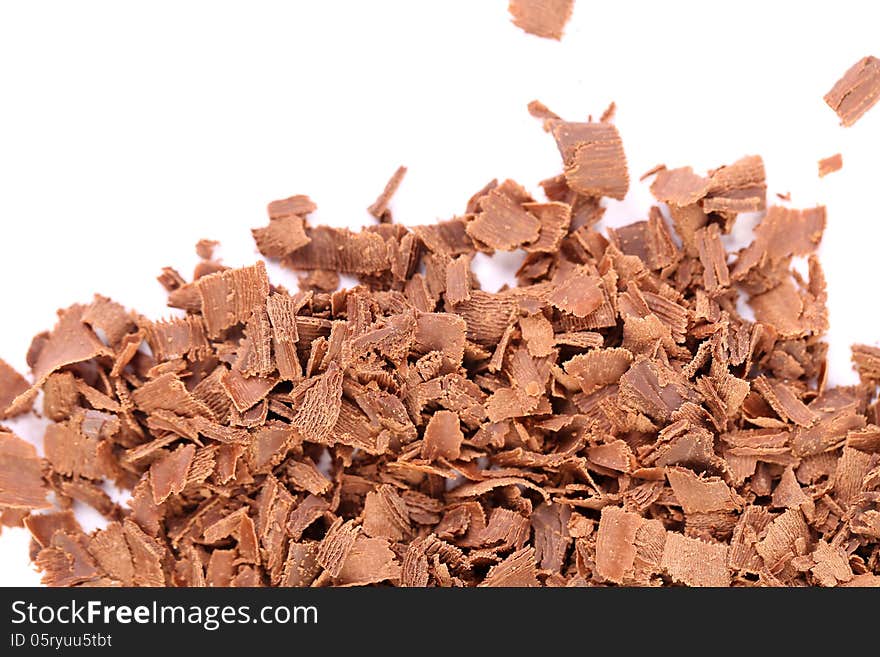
[379,208]
[611,418]
[21,482]
[281,237]
[168,476]
[12,385]
[230,297]
[443,437]
[830,164]
[698,495]
[504,223]
[856,92]
[580,295]
[592,153]
[694,562]
[543,18]
[517,570]
[866,360]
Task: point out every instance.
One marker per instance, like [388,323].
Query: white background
[130,130]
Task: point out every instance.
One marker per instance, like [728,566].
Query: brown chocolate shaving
[21,483]
[695,562]
[830,164]
[230,297]
[379,208]
[857,91]
[12,385]
[281,237]
[504,223]
[592,153]
[543,18]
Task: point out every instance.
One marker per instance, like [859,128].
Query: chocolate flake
[579,294]
[337,544]
[615,544]
[379,208]
[830,164]
[168,475]
[503,223]
[698,495]
[694,562]
[12,385]
[866,360]
[21,482]
[857,91]
[517,570]
[230,297]
[443,437]
[369,561]
[592,153]
[281,237]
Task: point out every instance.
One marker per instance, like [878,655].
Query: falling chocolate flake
[830,164]
[857,91]
[610,419]
[592,153]
[544,18]
[168,476]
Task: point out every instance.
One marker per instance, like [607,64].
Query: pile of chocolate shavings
[612,419]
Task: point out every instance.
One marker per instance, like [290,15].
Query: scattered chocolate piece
[205,248]
[544,18]
[503,223]
[610,419]
[379,208]
[540,111]
[12,385]
[608,114]
[830,164]
[595,164]
[857,91]
[695,562]
[281,237]
[21,480]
